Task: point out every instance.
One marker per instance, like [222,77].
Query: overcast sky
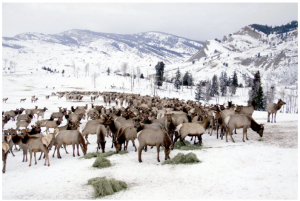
[198,21]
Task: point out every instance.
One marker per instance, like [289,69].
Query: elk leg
[58,152]
[191,138]
[125,145]
[140,153]
[274,117]
[134,145]
[246,135]
[78,150]
[30,157]
[235,131]
[230,133]
[35,158]
[200,139]
[86,137]
[54,151]
[65,146]
[157,146]
[73,145]
[146,148]
[41,156]
[268,117]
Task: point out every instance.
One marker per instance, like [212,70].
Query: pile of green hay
[101,162]
[107,154]
[180,158]
[105,186]
[187,146]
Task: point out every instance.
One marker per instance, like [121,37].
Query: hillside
[59,51]
[248,50]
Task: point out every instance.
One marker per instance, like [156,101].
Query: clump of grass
[180,158]
[260,140]
[187,146]
[101,162]
[103,186]
[107,154]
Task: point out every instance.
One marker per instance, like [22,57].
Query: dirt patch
[283,135]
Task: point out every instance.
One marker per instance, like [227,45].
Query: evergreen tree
[177,80]
[235,80]
[142,76]
[215,86]
[108,71]
[207,91]
[186,79]
[256,92]
[223,84]
[159,73]
[198,92]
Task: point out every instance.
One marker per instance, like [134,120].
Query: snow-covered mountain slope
[247,51]
[58,51]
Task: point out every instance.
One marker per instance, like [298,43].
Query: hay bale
[187,146]
[180,158]
[101,162]
[103,186]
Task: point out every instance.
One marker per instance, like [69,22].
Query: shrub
[103,186]
[180,158]
[188,146]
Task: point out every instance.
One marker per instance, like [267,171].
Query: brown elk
[192,129]
[272,108]
[154,137]
[69,137]
[242,121]
[5,149]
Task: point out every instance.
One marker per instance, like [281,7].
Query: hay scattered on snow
[180,158]
[107,154]
[101,162]
[187,146]
[105,186]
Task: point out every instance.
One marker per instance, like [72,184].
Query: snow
[255,169]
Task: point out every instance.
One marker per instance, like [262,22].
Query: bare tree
[74,68]
[94,79]
[77,71]
[98,68]
[5,61]
[138,74]
[124,67]
[87,68]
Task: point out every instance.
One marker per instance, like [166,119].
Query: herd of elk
[153,121]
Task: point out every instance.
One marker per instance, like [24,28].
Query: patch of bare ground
[283,134]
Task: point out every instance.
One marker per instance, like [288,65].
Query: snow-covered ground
[261,168]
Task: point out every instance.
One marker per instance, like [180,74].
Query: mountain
[272,51]
[108,49]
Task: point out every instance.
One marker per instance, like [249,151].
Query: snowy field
[261,168]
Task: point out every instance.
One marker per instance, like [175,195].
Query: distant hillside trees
[198,92]
[278,29]
[214,86]
[256,92]
[160,66]
[50,70]
[223,80]
[177,80]
[187,79]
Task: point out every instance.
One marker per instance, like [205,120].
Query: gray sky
[198,21]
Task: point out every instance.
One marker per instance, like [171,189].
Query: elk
[242,121]
[22,100]
[37,143]
[154,137]
[5,149]
[272,108]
